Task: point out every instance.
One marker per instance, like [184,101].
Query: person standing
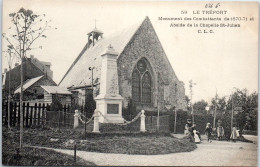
[195,131]
[188,127]
[188,130]
[220,130]
[208,131]
[234,134]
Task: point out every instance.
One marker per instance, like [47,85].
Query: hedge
[200,120]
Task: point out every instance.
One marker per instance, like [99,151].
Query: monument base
[110,107]
[112,119]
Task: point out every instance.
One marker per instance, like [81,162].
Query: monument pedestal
[110,107]
[109,102]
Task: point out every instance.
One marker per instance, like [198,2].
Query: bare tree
[26,28]
[10,55]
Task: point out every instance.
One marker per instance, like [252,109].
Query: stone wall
[145,43]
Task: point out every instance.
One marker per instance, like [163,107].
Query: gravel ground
[217,153]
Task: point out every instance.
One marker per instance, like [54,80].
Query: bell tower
[94,36]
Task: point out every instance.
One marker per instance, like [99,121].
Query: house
[62,94]
[35,73]
[32,90]
[145,74]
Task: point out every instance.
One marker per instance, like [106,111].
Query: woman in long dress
[220,132]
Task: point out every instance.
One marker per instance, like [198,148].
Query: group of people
[192,132]
[194,135]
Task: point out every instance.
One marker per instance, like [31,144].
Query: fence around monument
[151,123]
[37,115]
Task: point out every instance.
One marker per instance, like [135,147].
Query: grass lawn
[147,145]
[33,156]
[124,143]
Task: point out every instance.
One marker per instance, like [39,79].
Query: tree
[26,28]
[187,99]
[56,103]
[10,58]
[219,103]
[200,107]
[90,104]
[246,117]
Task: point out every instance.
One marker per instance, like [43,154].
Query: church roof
[79,74]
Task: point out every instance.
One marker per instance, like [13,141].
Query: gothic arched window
[146,88]
[142,83]
[136,86]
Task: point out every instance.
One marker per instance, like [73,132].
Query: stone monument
[109,102]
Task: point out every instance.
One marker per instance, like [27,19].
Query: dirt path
[217,153]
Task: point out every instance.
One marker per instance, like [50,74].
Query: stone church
[145,74]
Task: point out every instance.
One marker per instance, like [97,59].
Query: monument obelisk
[109,102]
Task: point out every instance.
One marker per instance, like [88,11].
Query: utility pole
[158,111]
[174,108]
[191,93]
[91,69]
[215,110]
[85,110]
[232,113]
[158,115]
[175,119]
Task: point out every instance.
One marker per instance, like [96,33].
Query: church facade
[145,74]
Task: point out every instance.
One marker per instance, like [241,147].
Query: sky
[216,62]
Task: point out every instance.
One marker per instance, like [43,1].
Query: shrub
[200,120]
[249,132]
[90,104]
[56,104]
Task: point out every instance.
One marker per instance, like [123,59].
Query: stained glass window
[136,86]
[146,88]
[142,83]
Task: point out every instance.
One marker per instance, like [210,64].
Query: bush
[249,132]
[200,120]
[56,104]
[130,110]
[90,104]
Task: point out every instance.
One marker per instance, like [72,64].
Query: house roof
[79,74]
[56,90]
[28,83]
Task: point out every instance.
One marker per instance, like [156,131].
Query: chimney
[5,70]
[16,64]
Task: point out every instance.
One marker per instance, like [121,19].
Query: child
[234,134]
[195,132]
[208,131]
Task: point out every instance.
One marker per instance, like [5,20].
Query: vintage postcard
[129,83]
